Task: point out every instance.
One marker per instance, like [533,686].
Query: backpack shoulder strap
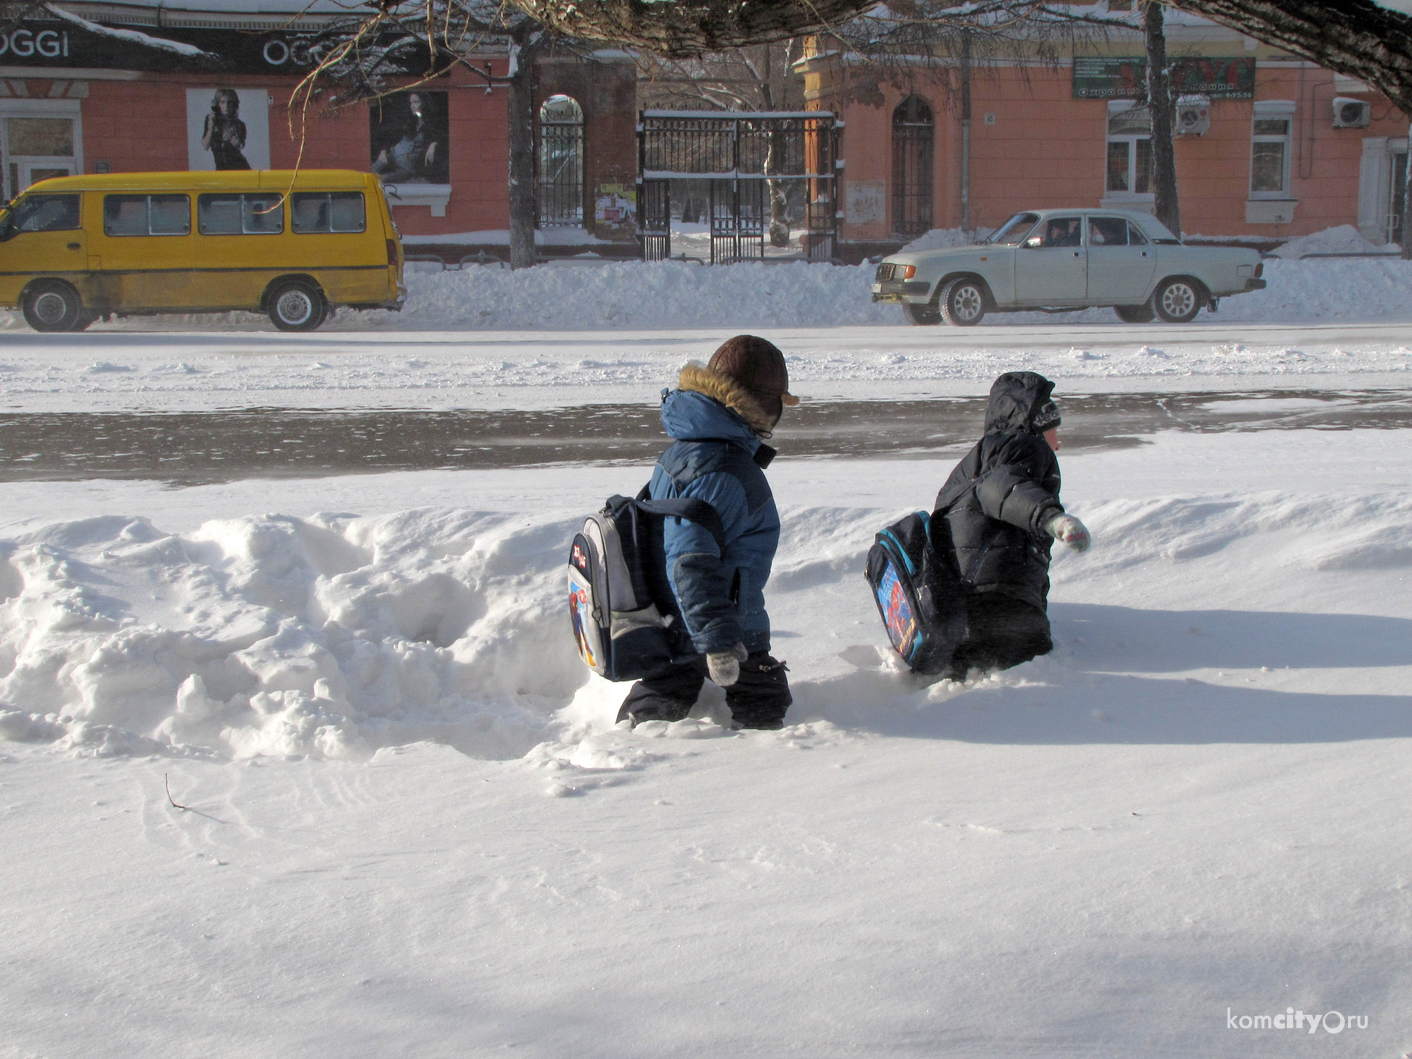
[691,508]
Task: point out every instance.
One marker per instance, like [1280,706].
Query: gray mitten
[1069,530]
[724,666]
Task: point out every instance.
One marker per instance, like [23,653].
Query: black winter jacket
[1000,497]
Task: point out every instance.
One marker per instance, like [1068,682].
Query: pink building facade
[84,99]
[1273,149]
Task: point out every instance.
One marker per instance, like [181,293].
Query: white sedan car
[1061,260]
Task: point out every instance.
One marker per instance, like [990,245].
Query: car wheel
[295,305]
[962,303]
[924,314]
[1134,314]
[52,306]
[1177,301]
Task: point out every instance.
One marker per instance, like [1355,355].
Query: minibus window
[348,214]
[169,214]
[146,215]
[263,214]
[125,215]
[239,215]
[339,211]
[43,213]
[218,214]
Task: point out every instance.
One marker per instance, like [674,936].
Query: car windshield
[1013,231]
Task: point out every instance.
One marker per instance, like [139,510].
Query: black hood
[1015,397]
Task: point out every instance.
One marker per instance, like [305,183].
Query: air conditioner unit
[1192,119]
[1352,113]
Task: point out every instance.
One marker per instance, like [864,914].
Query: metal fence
[560,161]
[747,159]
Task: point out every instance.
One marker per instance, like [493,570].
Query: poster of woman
[409,138]
[227,128]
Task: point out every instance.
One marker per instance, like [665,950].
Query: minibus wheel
[51,305]
[295,305]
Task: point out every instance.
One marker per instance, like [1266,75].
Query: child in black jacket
[1001,505]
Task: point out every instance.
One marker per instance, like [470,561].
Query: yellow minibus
[293,245]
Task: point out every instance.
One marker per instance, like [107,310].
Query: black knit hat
[1046,417]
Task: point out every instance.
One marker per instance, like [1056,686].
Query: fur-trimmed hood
[697,378]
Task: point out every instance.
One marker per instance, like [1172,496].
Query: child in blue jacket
[717,418]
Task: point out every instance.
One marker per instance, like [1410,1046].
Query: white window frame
[1130,199]
[1272,109]
[39,108]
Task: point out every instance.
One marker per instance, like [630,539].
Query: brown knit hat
[757,365]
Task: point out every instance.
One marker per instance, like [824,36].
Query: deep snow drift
[1188,813]
[334,635]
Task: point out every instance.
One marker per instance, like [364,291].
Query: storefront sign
[1126,77]
[49,42]
[45,44]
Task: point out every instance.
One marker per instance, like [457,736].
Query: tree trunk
[520,103]
[1159,103]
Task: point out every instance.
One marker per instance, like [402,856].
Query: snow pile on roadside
[271,635]
[634,295]
[637,295]
[335,636]
[1344,239]
[674,294]
[945,238]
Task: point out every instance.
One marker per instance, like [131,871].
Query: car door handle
[73,246]
[1078,253]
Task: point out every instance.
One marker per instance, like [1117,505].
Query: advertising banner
[227,128]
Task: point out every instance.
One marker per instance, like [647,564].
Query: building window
[560,163]
[1269,150]
[1129,168]
[912,138]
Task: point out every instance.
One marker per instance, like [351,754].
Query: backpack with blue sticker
[918,591]
[624,623]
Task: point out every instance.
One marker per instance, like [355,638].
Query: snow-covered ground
[170,370]
[408,825]
[412,828]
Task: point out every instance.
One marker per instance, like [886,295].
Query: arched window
[912,135]
[560,163]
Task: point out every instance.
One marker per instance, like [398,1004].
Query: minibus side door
[145,250]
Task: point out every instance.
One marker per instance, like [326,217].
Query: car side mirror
[1034,241]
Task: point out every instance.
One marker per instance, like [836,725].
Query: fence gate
[757,165]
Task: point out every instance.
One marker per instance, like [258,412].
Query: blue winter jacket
[720,592]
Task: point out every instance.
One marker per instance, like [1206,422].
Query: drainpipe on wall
[1406,186]
[966,131]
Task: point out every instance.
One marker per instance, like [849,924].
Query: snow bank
[676,294]
[944,238]
[334,636]
[272,635]
[1344,239]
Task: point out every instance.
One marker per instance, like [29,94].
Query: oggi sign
[278,53]
[25,44]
